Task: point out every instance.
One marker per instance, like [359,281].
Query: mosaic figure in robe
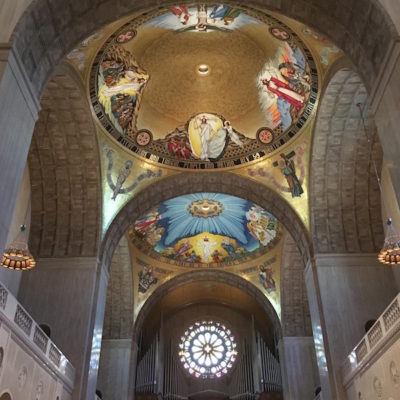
[284,87]
[118,91]
[212,142]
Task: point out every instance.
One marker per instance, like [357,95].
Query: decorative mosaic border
[255,149]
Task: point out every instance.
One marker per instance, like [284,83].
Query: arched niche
[253,299]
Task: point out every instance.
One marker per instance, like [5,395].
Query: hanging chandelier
[17,256]
[390,252]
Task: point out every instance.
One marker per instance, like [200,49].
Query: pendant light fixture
[17,255]
[390,252]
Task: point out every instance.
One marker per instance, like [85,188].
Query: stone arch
[49,30]
[201,276]
[344,192]
[194,182]
[65,173]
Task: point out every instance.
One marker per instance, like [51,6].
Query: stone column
[114,374]
[354,288]
[19,108]
[69,295]
[322,352]
[132,370]
[92,361]
[300,375]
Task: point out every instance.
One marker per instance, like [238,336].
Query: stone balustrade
[39,362]
[369,357]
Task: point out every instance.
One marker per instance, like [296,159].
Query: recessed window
[207,350]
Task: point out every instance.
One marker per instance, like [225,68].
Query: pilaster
[322,351]
[300,376]
[354,288]
[114,374]
[19,108]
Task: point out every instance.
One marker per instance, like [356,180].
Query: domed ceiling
[203,86]
[206,229]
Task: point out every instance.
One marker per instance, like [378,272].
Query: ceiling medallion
[205,208]
[265,135]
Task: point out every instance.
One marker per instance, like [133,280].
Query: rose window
[207,350]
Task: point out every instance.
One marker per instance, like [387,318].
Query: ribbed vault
[64,172]
[50,29]
[344,193]
[195,182]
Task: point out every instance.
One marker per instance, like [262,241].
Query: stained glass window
[207,349]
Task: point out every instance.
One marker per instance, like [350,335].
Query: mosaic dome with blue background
[206,228]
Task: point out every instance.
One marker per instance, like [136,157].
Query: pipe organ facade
[255,372]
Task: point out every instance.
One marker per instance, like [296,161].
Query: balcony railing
[13,315]
[378,336]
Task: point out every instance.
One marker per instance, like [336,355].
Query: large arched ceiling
[156,116]
[219,182]
[344,194]
[206,229]
[208,286]
[49,30]
[64,172]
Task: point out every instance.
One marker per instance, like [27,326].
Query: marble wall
[10,13]
[114,373]
[390,208]
[19,109]
[11,279]
[353,289]
[64,293]
[31,366]
[381,380]
[25,377]
[300,375]
[372,370]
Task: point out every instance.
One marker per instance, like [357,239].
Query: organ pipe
[159,371]
[270,368]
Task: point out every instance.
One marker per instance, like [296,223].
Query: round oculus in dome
[203,69]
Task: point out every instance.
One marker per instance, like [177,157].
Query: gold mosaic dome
[206,86]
